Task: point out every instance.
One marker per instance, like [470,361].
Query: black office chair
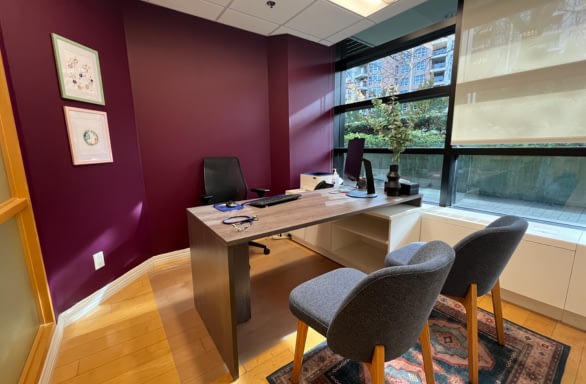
[224,181]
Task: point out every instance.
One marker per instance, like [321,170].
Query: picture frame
[78,69]
[89,136]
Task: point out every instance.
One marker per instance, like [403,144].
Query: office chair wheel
[266,251]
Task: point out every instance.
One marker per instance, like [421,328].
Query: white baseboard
[90,303]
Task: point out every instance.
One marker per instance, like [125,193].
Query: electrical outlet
[99,260]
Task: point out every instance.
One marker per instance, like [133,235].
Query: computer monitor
[353,163]
[353,166]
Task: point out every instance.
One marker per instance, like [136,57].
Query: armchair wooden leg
[472,327]
[425,342]
[377,365]
[299,349]
[497,308]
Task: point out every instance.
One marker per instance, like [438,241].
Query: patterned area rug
[527,357]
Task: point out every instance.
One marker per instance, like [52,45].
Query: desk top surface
[311,208]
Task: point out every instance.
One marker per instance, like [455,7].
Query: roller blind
[521,73]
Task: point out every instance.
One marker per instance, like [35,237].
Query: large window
[543,188]
[539,179]
[429,119]
[394,71]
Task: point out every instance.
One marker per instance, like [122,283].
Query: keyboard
[272,200]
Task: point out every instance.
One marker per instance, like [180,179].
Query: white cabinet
[576,301]
[317,237]
[540,272]
[360,242]
[545,274]
[363,240]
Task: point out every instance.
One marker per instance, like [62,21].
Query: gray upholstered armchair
[481,257]
[373,317]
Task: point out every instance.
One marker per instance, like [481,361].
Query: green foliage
[370,141]
[418,139]
[428,118]
[427,139]
[386,121]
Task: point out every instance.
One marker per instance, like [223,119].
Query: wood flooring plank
[128,365]
[115,352]
[115,334]
[150,332]
[65,372]
[159,370]
[577,342]
[168,377]
[581,375]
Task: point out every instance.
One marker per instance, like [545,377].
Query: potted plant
[385,119]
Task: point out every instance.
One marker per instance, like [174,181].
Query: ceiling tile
[394,9]
[327,43]
[284,30]
[351,30]
[223,3]
[282,12]
[247,22]
[315,20]
[198,8]
[323,19]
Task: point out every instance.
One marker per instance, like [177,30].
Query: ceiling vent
[351,46]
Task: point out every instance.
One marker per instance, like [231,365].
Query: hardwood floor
[150,332]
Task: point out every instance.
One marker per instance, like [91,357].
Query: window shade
[521,73]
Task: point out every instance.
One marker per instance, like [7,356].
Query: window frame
[450,154]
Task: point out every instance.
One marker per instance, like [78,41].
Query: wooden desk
[219,254]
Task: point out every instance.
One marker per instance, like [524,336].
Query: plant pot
[393,185]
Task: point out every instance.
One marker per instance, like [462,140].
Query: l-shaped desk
[220,255]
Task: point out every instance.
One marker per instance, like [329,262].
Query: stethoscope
[239,222]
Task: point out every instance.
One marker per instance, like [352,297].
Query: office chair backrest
[223,179]
[390,306]
[483,255]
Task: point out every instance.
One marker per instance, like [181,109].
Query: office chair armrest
[206,199]
[260,191]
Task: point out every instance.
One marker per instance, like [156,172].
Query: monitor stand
[370,191]
[359,193]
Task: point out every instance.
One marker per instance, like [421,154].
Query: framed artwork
[78,68]
[89,137]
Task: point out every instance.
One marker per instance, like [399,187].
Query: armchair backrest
[390,306]
[223,179]
[483,255]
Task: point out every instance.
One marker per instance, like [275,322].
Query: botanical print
[79,74]
[79,71]
[89,137]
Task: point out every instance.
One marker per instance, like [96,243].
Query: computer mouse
[231,204]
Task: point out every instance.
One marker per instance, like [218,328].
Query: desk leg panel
[221,288]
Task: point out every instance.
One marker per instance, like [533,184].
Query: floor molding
[90,303]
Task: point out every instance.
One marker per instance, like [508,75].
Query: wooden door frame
[19,207]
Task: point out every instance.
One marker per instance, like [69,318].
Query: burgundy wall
[177,88]
[301,87]
[310,78]
[200,89]
[79,210]
[203,89]
[278,58]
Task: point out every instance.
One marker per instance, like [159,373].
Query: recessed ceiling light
[364,8]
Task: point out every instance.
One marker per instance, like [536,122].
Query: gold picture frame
[78,69]
[89,136]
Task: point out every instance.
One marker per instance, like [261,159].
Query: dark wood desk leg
[221,288]
[240,271]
